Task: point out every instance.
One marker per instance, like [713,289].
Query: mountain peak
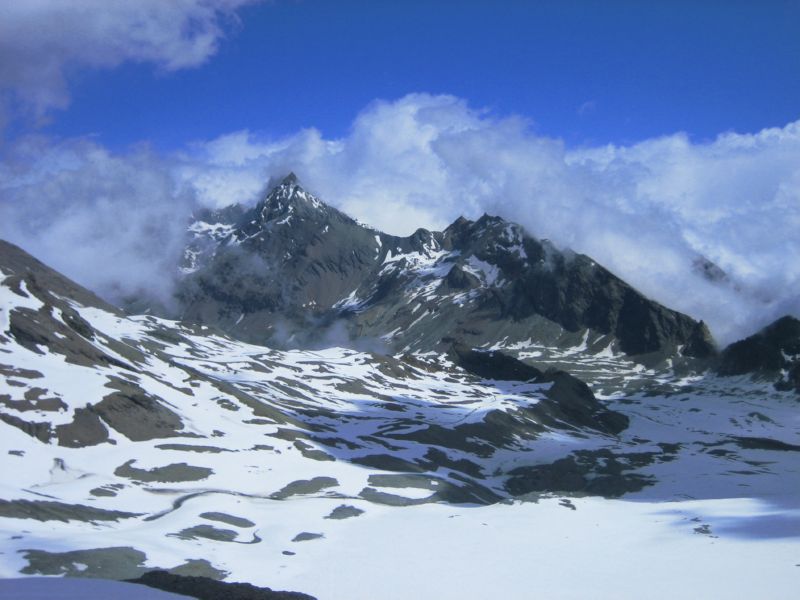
[312,255]
[459,223]
[289,195]
[290,179]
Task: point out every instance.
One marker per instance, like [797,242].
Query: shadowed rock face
[493,364]
[36,328]
[285,263]
[293,270]
[570,400]
[205,588]
[773,350]
[572,290]
[41,279]
[583,473]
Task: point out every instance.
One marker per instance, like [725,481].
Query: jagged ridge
[292,267]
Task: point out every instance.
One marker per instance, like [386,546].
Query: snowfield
[133,443]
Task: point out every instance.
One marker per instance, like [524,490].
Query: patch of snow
[487,273]
[288,218]
[217,231]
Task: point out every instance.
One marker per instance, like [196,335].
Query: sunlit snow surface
[246,473]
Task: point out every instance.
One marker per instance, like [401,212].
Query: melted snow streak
[312,471]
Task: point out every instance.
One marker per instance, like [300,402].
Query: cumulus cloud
[41,40]
[115,223]
[648,211]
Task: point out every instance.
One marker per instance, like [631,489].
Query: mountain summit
[293,270]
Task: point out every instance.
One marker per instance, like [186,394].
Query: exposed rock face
[283,264]
[292,269]
[20,266]
[571,400]
[493,365]
[46,322]
[775,350]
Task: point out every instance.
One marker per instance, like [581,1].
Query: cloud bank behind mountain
[649,211]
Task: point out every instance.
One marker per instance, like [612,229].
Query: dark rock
[577,405]
[344,511]
[228,519]
[759,443]
[764,350]
[304,487]
[305,536]
[700,344]
[709,270]
[571,400]
[44,282]
[387,462]
[768,352]
[86,429]
[585,472]
[458,279]
[39,430]
[136,414]
[287,252]
[206,532]
[493,365]
[119,562]
[204,588]
[47,510]
[792,379]
[166,474]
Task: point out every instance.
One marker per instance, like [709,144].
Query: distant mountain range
[295,271]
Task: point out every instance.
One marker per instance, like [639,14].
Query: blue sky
[646,134]
[588,72]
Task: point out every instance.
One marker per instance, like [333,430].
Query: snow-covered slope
[130,443]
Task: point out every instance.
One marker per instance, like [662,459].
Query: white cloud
[115,223]
[41,40]
[646,211]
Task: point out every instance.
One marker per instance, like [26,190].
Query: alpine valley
[325,408]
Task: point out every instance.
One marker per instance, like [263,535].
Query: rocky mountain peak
[290,179]
[292,259]
[287,199]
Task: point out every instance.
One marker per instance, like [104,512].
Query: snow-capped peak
[290,192]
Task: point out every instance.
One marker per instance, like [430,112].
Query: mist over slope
[657,213]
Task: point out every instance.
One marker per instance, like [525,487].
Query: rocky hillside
[294,271]
[773,352]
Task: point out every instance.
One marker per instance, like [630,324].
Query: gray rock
[774,349]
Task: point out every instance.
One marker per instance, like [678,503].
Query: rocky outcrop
[775,350]
[569,400]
